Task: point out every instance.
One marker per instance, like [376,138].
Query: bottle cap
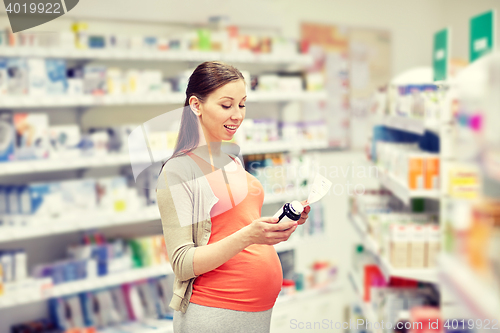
[296,207]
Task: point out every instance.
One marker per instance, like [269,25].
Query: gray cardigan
[184,199]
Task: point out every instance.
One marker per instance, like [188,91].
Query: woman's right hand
[265,230]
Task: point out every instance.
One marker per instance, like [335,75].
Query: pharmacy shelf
[312,292]
[98,219]
[401,190]
[89,220]
[29,101]
[49,165]
[79,286]
[118,159]
[472,290]
[155,55]
[418,274]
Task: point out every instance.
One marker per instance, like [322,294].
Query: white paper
[319,189]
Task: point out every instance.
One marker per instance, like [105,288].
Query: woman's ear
[194,103]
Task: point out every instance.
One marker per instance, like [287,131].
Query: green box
[440,55]
[482,35]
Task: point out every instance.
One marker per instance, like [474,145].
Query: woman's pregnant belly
[250,281]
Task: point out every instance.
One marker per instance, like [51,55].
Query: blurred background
[397,103]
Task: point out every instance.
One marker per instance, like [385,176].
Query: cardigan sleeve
[174,196]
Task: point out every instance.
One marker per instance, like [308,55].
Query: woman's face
[223,111]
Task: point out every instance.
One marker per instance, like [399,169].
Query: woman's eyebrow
[226,97]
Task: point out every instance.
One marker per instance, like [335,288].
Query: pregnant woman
[227,273]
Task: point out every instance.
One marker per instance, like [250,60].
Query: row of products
[268,129]
[38,77]
[30,136]
[94,257]
[133,307]
[42,204]
[415,168]
[406,239]
[219,39]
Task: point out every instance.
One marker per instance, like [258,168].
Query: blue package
[44,200]
[57,83]
[86,299]
[58,273]
[7,136]
[70,271]
[100,254]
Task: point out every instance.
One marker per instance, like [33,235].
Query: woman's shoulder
[178,169]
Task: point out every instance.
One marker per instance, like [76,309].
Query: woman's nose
[237,115]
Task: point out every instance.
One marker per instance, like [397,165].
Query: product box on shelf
[41,201]
[32,140]
[56,83]
[94,80]
[64,140]
[112,194]
[18,76]
[7,136]
[417,246]
[78,196]
[37,77]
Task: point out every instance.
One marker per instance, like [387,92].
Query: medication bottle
[290,211]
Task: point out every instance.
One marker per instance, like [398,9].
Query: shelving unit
[79,286]
[96,219]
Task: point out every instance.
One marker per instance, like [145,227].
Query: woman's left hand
[305,213]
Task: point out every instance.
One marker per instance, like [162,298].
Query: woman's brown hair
[206,78]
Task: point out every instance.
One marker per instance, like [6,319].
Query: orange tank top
[251,280]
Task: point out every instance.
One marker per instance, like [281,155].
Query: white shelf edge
[103,220]
[79,286]
[465,284]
